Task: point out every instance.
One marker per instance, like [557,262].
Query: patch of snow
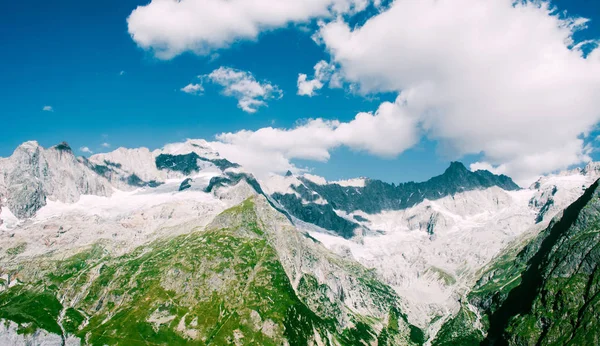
[315,179]
[8,220]
[202,178]
[121,203]
[356,182]
[158,318]
[345,215]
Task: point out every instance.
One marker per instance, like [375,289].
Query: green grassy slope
[225,285]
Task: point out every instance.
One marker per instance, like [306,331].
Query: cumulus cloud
[106,145]
[86,150]
[324,73]
[170,28]
[194,89]
[499,78]
[48,109]
[250,93]
[308,87]
[387,132]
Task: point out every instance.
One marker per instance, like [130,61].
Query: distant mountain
[315,202]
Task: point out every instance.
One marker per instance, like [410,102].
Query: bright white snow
[357,182]
[315,179]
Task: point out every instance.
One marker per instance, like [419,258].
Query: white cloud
[106,145]
[250,93]
[324,73]
[48,109]
[387,132]
[86,150]
[195,89]
[308,87]
[499,78]
[170,28]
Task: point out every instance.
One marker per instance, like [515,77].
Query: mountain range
[182,246]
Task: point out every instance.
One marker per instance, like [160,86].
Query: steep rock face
[543,293]
[248,278]
[322,215]
[34,174]
[189,163]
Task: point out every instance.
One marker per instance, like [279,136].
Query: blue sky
[69,55]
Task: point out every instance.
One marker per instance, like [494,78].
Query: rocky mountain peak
[34,174]
[456,167]
[63,146]
[458,178]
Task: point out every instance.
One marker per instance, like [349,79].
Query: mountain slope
[250,277]
[547,293]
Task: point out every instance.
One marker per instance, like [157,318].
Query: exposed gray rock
[186,184]
[33,174]
[9,335]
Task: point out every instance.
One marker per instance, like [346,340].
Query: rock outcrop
[33,175]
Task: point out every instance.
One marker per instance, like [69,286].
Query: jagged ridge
[377,196]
